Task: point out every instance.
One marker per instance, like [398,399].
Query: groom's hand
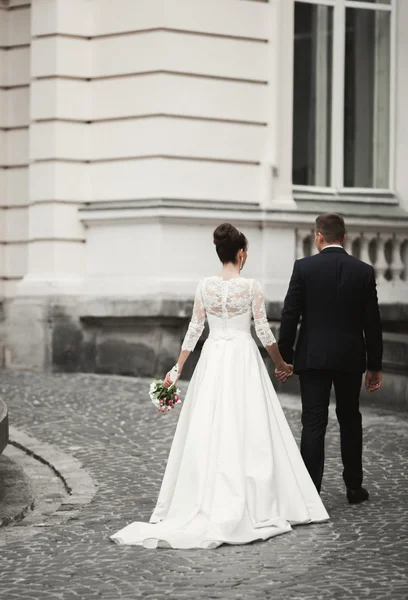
[373,380]
[283,372]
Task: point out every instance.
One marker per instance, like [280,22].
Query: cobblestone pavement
[110,426]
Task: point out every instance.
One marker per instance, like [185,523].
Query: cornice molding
[359,217]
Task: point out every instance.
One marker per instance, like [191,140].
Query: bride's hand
[283,372]
[167,380]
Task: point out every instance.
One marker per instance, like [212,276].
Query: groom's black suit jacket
[335,295]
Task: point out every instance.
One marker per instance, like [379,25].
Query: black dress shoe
[357,496]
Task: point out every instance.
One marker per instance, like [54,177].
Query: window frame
[336,187]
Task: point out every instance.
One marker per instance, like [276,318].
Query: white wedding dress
[234,473]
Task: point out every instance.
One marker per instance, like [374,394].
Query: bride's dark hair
[228,241]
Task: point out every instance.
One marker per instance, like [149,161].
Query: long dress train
[234,473]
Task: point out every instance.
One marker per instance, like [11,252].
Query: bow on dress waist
[229,334]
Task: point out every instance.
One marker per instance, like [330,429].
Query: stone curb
[80,486]
[24,489]
[4,426]
[19,516]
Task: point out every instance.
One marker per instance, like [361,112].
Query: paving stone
[109,426]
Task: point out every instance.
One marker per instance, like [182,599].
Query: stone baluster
[365,242]
[348,244]
[313,245]
[397,266]
[299,243]
[381,265]
[301,237]
[404,256]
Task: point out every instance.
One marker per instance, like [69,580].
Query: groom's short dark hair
[332,228]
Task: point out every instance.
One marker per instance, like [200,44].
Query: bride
[234,473]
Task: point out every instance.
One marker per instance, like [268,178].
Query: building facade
[131,128]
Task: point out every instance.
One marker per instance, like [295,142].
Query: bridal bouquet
[164,398]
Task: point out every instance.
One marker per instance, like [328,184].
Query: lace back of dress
[226,298]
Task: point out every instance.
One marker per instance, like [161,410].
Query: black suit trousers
[315,388]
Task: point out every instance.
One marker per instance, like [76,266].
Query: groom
[340,337]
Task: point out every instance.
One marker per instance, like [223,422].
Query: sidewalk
[109,425]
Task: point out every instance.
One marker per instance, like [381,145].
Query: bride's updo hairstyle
[228,242]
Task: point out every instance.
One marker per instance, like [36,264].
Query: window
[342,110]
[312,94]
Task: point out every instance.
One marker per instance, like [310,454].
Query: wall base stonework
[142,338]
[27,334]
[111,336]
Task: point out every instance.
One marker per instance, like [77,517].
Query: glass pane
[367,99]
[387,2]
[312,94]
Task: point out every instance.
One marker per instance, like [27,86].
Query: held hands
[283,372]
[373,380]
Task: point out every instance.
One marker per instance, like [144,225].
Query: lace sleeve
[263,331]
[197,322]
